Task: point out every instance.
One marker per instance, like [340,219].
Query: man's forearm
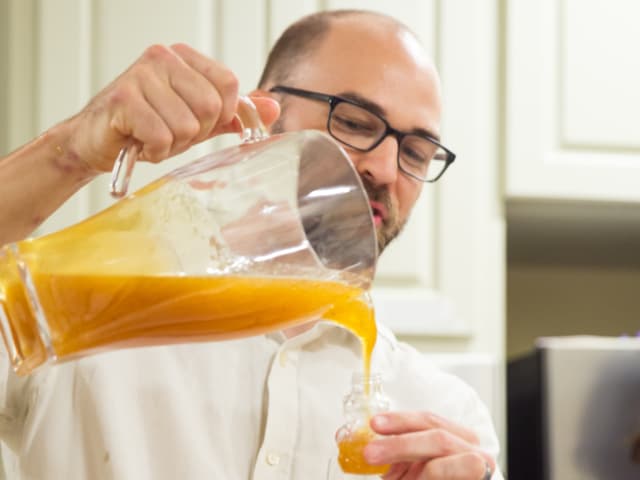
[37,179]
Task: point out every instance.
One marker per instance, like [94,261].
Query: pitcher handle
[251,130]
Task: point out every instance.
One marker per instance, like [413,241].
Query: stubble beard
[390,227]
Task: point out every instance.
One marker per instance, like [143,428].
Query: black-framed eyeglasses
[356,126]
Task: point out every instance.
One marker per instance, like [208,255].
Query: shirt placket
[276,455]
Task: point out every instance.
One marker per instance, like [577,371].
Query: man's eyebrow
[368,104]
[378,110]
[426,133]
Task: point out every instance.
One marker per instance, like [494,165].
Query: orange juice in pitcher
[268,234]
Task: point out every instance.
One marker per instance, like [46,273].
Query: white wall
[4,72]
[557,300]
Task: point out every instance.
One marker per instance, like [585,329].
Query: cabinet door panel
[600,72]
[573,107]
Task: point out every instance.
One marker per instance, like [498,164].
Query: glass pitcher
[261,236]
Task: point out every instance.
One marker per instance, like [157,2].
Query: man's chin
[385,235]
[383,239]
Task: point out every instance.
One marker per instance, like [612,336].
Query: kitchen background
[535,229]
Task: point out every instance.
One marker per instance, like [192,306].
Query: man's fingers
[397,471]
[176,114]
[426,446]
[457,467]
[220,77]
[268,109]
[138,120]
[201,97]
[415,446]
[168,100]
[395,423]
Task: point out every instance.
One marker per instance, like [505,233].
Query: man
[264,407]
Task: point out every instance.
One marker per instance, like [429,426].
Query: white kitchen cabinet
[572,124]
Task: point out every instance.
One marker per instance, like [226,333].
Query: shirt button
[273,459]
[283,358]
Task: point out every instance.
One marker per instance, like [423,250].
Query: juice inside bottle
[365,400]
[351,457]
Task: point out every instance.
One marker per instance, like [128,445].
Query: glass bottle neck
[366,383]
[367,396]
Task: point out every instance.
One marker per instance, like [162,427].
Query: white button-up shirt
[259,408]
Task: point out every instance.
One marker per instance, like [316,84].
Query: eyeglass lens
[361,129]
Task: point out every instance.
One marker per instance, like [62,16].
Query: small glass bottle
[365,400]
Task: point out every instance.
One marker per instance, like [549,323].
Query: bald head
[303,37]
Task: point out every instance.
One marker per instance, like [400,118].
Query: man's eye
[414,156]
[354,125]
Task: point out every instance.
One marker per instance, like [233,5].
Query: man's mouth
[379,212]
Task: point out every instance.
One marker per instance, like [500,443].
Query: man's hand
[169,99]
[421,445]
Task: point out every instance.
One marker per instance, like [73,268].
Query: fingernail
[372,453]
[380,420]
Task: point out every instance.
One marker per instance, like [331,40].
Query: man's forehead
[380,62]
[375,30]
[370,53]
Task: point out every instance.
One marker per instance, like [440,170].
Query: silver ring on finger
[487,471]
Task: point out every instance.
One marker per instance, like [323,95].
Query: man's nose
[380,165]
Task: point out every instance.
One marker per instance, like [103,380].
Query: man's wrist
[58,141]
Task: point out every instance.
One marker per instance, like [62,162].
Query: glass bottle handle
[251,130]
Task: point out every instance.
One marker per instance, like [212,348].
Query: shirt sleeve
[416,383]
[476,417]
[471,413]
